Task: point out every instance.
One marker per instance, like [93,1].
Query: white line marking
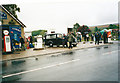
[40,68]
[110,52]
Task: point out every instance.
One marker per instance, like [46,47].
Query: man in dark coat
[105,37]
[84,37]
[92,37]
[70,40]
[97,37]
[31,40]
[22,42]
[64,40]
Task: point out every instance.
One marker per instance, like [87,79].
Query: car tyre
[57,45]
[74,45]
[51,44]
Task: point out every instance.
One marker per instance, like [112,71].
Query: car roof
[53,33]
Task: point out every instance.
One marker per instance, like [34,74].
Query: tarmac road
[90,64]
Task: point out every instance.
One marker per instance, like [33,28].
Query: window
[7,39]
[59,35]
[51,36]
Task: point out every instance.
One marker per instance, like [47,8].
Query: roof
[28,31]
[16,19]
[53,33]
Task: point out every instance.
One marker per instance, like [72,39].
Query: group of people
[21,43]
[68,40]
[99,37]
[87,37]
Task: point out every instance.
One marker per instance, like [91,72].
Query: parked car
[55,39]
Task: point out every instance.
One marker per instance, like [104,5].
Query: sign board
[109,34]
[5,32]
[3,15]
[16,32]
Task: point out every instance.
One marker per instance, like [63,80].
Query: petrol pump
[7,43]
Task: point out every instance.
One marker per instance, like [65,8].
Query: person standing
[31,40]
[84,37]
[97,38]
[105,37]
[100,37]
[70,40]
[80,35]
[87,36]
[92,37]
[64,41]
[22,43]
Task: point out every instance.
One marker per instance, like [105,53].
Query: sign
[109,34]
[15,37]
[16,32]
[3,15]
[5,32]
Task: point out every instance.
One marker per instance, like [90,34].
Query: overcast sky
[59,14]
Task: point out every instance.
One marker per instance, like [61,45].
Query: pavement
[46,51]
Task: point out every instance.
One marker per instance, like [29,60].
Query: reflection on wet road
[92,64]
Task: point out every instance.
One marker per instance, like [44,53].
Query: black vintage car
[55,39]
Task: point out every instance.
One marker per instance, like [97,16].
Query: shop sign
[3,15]
[15,36]
[15,32]
[5,32]
[16,29]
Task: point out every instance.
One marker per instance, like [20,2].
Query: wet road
[92,64]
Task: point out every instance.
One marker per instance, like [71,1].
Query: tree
[75,27]
[96,29]
[84,29]
[39,32]
[12,8]
[113,26]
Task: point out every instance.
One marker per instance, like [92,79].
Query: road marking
[51,66]
[39,68]
[110,52]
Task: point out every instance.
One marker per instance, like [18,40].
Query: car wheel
[74,45]
[51,45]
[57,45]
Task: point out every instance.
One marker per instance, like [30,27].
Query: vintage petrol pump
[39,43]
[7,43]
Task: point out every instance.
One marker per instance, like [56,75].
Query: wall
[9,18]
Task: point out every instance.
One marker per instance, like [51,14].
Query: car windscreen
[59,35]
[51,36]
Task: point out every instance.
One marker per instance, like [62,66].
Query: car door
[59,39]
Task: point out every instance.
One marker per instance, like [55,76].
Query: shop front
[14,33]
[12,30]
